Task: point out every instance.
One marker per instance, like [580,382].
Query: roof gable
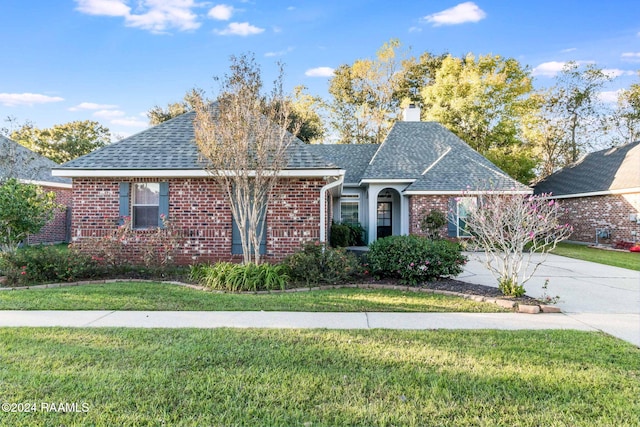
[26,164]
[610,169]
[171,145]
[354,158]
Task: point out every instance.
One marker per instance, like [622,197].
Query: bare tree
[511,228]
[243,138]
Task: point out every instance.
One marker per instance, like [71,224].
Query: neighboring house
[386,188]
[19,162]
[601,193]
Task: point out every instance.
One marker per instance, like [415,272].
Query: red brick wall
[586,214]
[55,231]
[419,206]
[198,208]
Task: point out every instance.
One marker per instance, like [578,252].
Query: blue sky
[112,60]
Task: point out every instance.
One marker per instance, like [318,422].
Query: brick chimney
[411,113]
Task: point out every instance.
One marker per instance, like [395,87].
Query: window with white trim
[350,209]
[146,204]
[464,206]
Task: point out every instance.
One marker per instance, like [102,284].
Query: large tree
[64,142]
[244,139]
[483,100]
[624,122]
[158,114]
[364,102]
[305,116]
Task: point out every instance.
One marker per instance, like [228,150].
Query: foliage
[483,100]
[624,121]
[570,115]
[510,228]
[364,103]
[244,137]
[316,264]
[346,234]
[26,208]
[46,264]
[305,118]
[415,259]
[432,223]
[158,246]
[159,115]
[64,142]
[232,277]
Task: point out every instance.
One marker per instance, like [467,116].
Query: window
[350,209]
[459,209]
[146,204]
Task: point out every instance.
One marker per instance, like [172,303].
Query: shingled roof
[171,145]
[19,162]
[425,154]
[615,168]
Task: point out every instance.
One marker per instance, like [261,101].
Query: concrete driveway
[606,298]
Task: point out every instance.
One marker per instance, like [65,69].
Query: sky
[113,60]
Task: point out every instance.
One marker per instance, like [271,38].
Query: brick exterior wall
[420,206]
[199,210]
[55,231]
[586,214]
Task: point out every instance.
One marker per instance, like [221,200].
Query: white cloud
[609,97]
[221,12]
[156,16]
[130,122]
[415,29]
[319,72]
[109,114]
[460,14]
[15,99]
[631,56]
[239,29]
[616,72]
[103,7]
[279,53]
[92,106]
[548,69]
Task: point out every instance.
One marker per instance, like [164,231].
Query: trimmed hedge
[415,259]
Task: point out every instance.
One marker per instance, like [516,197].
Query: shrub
[431,224]
[415,259]
[346,234]
[232,277]
[47,264]
[316,264]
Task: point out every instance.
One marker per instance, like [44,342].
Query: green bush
[47,264]
[431,223]
[415,259]
[316,264]
[232,277]
[346,234]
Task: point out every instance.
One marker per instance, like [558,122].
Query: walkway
[593,297]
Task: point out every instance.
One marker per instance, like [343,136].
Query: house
[601,193]
[19,162]
[385,187]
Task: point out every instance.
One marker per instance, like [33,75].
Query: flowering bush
[511,228]
[316,264]
[415,259]
[47,264]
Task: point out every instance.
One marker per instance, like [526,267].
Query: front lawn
[166,297]
[628,260]
[317,378]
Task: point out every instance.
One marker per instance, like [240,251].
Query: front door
[384,219]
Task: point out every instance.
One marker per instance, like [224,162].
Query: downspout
[323,206]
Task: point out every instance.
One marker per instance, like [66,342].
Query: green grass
[628,260]
[162,296]
[320,378]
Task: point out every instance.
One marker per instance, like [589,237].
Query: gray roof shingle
[615,168]
[354,158]
[171,145]
[26,164]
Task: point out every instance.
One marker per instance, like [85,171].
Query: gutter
[323,206]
